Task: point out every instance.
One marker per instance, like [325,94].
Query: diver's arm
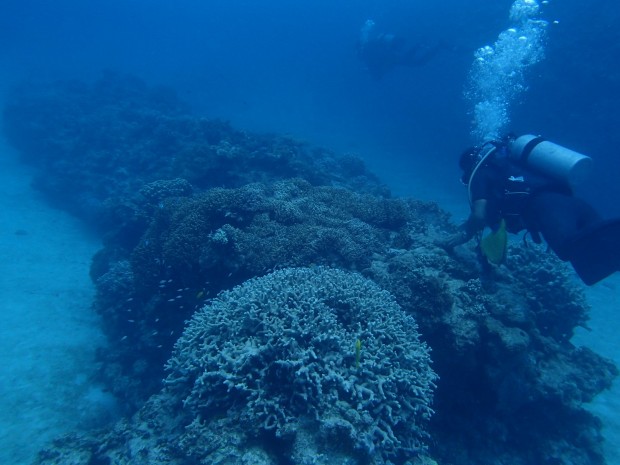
[475,223]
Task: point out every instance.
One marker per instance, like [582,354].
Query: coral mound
[316,345]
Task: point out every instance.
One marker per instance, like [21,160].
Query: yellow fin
[495,244]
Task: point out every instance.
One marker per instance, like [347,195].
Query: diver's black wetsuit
[528,200]
[571,227]
[500,189]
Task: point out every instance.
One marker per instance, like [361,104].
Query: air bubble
[498,72]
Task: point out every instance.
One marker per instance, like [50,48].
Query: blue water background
[291,67]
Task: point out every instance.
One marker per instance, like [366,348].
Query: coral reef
[195,247]
[95,146]
[503,374]
[509,376]
[191,207]
[268,371]
[279,351]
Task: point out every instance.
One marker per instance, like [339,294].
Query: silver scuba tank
[551,159]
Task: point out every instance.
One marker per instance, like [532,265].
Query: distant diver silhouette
[382,52]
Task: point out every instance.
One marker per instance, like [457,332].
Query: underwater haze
[170,167]
[292,67]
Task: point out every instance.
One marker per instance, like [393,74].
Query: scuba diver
[382,52]
[525,183]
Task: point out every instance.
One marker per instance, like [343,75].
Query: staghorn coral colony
[276,355]
[294,302]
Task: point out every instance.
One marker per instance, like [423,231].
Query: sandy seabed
[48,332]
[603,338]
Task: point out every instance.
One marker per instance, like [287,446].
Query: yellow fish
[358,353]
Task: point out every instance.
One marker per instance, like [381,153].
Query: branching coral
[281,349]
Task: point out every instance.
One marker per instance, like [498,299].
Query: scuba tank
[550,159]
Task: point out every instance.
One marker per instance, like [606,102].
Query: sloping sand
[48,333]
[604,338]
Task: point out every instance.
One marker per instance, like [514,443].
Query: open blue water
[292,67]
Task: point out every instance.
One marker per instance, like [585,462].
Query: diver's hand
[450,242]
[467,230]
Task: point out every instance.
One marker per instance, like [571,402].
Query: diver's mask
[474,157]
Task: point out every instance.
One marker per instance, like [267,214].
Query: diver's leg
[576,233]
[559,218]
